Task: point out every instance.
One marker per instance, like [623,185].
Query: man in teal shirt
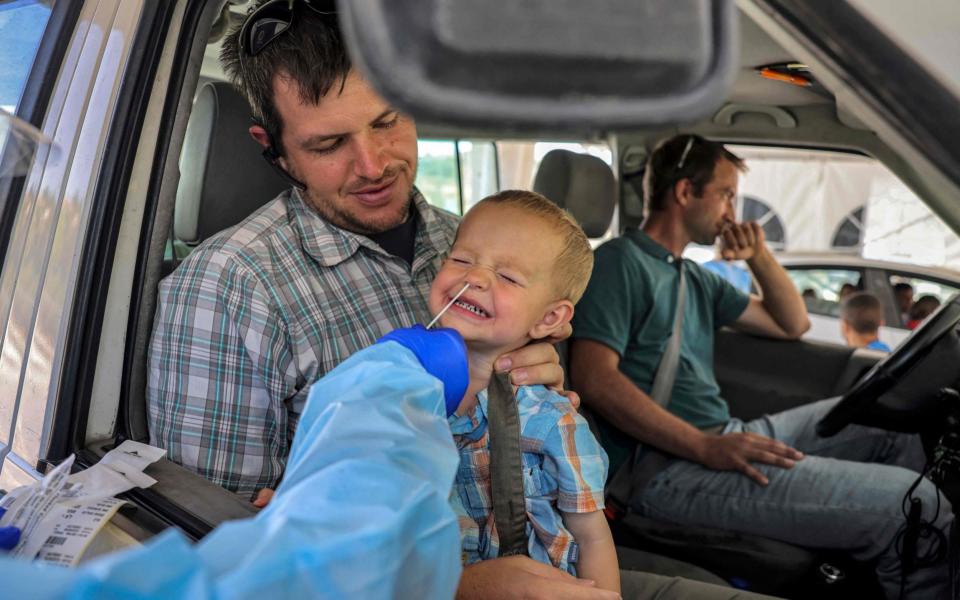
[638,295]
[773,476]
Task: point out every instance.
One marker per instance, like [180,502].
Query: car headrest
[582,184]
[223,177]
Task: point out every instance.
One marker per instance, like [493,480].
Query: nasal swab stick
[449,304]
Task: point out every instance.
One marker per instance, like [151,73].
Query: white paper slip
[73,529]
[119,470]
[7,500]
[32,506]
[132,455]
[59,515]
[103,481]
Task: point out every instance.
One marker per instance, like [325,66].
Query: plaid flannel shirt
[259,312]
[564,469]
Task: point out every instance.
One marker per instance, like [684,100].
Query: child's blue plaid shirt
[564,470]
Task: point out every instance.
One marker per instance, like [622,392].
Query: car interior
[218,177]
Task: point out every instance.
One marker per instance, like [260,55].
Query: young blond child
[527,263]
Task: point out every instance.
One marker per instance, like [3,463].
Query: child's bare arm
[598,557]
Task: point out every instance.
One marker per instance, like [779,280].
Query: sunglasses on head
[686,151]
[272,19]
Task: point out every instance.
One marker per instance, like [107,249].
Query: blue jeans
[845,494]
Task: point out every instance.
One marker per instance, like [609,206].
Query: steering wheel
[886,373]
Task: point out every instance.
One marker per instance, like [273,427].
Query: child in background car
[846,290]
[527,263]
[921,309]
[861,316]
[903,294]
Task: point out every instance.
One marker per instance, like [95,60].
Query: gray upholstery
[582,184]
[223,177]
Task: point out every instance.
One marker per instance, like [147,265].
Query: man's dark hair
[311,53]
[863,312]
[665,167]
[902,287]
[924,307]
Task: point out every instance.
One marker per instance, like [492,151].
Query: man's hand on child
[532,364]
[535,364]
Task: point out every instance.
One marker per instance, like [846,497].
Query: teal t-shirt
[629,306]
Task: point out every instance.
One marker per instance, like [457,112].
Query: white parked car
[826,273]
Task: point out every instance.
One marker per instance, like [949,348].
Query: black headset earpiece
[270,153]
[272,157]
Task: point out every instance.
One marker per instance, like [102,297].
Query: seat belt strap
[506,466]
[667,369]
[642,466]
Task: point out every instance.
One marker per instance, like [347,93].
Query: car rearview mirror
[557,65]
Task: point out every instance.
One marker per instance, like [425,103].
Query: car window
[821,287]
[925,287]
[21,29]
[520,159]
[437,176]
[456,174]
[755,209]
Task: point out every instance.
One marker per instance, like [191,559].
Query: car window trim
[68,427]
[176,104]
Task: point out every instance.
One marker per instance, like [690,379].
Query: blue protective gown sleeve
[362,511]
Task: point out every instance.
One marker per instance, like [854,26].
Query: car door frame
[89,113]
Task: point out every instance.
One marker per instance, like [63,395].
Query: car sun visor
[557,65]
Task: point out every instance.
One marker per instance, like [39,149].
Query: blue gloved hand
[9,536]
[442,353]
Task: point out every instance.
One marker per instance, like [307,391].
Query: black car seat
[583,185]
[223,177]
[586,187]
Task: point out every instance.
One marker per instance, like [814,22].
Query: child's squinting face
[507,256]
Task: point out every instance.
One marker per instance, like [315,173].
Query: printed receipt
[60,515]
[73,530]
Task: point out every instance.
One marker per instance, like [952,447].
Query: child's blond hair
[572,267]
